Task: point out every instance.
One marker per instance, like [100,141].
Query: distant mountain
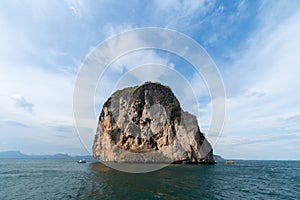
[12,154]
[19,155]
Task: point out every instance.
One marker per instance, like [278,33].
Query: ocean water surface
[65,179]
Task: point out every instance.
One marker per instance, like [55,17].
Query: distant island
[146,124]
[19,155]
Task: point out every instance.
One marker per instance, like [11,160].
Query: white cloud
[114,29]
[138,58]
[263,146]
[185,7]
[262,86]
[48,96]
[19,101]
[199,85]
[37,76]
[80,8]
[177,13]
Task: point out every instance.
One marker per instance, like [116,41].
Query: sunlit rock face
[146,124]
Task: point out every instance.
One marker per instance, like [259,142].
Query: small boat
[229,162]
[81,161]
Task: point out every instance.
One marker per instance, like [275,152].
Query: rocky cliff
[146,124]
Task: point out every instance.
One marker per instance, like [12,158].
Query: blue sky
[255,45]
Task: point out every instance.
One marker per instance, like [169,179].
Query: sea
[65,179]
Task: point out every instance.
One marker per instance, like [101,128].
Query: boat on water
[81,161]
[229,162]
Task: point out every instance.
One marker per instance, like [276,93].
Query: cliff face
[146,124]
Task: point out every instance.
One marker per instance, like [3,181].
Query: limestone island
[146,124]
